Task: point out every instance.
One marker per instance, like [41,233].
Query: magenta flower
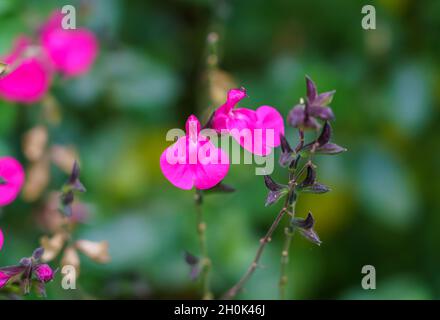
[258,131]
[11,180]
[44,273]
[193,160]
[72,52]
[1,239]
[29,77]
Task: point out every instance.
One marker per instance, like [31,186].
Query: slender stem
[206,261]
[285,256]
[231,293]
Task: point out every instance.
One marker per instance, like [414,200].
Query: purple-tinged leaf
[323,113]
[306,223]
[272,185]
[330,148]
[274,196]
[296,116]
[305,227]
[311,89]
[315,188]
[38,253]
[311,235]
[324,98]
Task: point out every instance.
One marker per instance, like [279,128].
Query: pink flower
[11,180]
[194,160]
[71,51]
[28,78]
[1,239]
[4,278]
[44,273]
[257,131]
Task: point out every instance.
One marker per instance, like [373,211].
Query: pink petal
[181,174]
[234,96]
[12,172]
[213,168]
[194,162]
[4,278]
[264,118]
[71,51]
[270,118]
[29,79]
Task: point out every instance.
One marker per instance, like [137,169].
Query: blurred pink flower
[250,128]
[72,52]
[11,180]
[194,160]
[4,278]
[29,77]
[44,273]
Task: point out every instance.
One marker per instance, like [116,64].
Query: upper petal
[270,119]
[71,51]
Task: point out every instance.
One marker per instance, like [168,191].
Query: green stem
[205,261]
[285,256]
[231,293]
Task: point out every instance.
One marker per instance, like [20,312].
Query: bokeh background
[152,73]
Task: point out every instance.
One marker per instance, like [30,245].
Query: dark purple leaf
[315,188]
[272,185]
[310,176]
[325,135]
[285,146]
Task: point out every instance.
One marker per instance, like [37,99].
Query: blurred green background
[150,75]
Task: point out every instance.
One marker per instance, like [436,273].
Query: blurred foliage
[150,76]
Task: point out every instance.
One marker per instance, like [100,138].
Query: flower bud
[44,273]
[305,227]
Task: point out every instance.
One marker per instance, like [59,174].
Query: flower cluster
[29,272]
[32,62]
[258,131]
[65,213]
[303,178]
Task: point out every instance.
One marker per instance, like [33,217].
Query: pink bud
[44,273]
